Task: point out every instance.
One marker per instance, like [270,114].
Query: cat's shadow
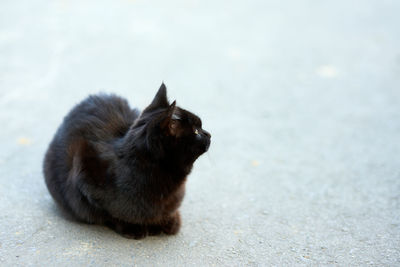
[96,229]
[59,212]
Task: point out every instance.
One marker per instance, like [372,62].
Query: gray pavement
[302,99]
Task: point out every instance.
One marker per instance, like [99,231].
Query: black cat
[109,164]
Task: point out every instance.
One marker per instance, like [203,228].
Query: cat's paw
[132,231]
[135,235]
[172,224]
[154,229]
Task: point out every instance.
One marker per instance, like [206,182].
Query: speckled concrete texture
[302,99]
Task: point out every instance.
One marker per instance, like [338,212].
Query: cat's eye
[196,131]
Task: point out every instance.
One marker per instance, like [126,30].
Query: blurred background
[302,99]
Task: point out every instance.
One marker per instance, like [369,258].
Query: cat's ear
[171,123]
[160,100]
[171,109]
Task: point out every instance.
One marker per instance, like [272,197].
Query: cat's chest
[169,203]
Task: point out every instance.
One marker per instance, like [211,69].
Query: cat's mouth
[206,140]
[205,144]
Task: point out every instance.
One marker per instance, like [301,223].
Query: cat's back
[99,117]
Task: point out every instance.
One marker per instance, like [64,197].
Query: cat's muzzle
[206,140]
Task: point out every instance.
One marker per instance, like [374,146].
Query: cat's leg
[128,230]
[169,225]
[172,224]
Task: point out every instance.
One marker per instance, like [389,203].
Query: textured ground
[302,99]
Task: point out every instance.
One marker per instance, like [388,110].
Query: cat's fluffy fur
[109,164]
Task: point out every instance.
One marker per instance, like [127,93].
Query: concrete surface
[302,99]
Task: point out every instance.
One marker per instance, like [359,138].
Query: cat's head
[171,131]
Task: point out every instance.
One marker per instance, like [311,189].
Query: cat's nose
[207,134]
